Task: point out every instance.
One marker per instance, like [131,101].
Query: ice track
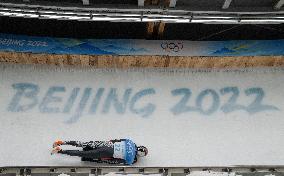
[185,117]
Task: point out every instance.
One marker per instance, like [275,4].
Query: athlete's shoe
[55,150]
[57,143]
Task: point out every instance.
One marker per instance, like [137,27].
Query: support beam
[173,3]
[227,4]
[86,2]
[279,4]
[150,29]
[140,2]
[161,29]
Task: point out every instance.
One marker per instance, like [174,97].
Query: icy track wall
[185,117]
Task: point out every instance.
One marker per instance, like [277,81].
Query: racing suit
[118,151]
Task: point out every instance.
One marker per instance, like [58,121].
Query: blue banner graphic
[19,43]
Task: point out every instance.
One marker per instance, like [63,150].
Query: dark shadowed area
[84,29]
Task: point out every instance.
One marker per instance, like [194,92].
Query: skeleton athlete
[118,151]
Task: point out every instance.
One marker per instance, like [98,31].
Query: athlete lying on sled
[118,151]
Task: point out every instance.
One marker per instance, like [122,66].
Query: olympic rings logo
[172,46]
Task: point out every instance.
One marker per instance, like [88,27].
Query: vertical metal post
[173,3]
[279,4]
[140,2]
[86,2]
[226,4]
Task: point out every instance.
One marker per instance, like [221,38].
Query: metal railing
[139,15]
[164,171]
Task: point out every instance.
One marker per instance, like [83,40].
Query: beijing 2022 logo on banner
[172,46]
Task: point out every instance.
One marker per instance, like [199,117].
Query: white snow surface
[186,139]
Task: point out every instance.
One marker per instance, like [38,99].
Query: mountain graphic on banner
[120,50]
[223,51]
[83,48]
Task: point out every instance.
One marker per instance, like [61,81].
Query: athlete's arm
[115,161]
[117,140]
[87,145]
[135,160]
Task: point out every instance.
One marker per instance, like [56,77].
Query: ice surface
[192,138]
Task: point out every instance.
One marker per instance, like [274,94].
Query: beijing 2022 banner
[18,43]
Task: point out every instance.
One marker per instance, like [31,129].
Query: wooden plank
[155,2]
[161,29]
[124,62]
[150,28]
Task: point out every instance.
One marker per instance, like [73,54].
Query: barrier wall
[18,43]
